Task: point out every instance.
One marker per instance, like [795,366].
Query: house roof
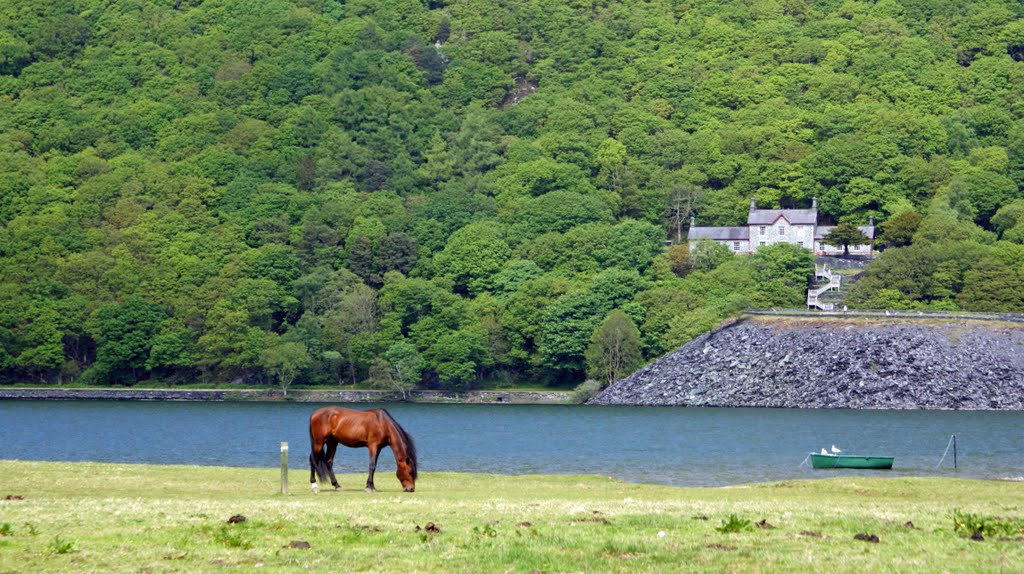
[793,216]
[719,233]
[822,231]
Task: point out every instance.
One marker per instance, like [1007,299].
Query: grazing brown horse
[373,429]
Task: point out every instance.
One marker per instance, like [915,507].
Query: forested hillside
[453,193]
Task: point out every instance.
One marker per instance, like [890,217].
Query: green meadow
[88,517]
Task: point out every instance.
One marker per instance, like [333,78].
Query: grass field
[86,517]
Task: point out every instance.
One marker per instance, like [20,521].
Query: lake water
[677,446]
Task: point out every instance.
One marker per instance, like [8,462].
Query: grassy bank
[125,518]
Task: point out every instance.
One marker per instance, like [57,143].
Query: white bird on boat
[836,450]
[823,451]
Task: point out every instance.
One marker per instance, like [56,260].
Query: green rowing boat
[850,461]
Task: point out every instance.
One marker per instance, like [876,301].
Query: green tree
[614,349]
[473,255]
[706,255]
[556,211]
[284,361]
[438,166]
[394,252]
[515,273]
[567,327]
[171,349]
[681,197]
[523,318]
[899,230]
[35,343]
[405,367]
[476,147]
[457,357]
[15,53]
[1008,216]
[350,326]
[61,35]
[229,345]
[991,286]
[977,195]
[844,235]
[785,265]
[612,160]
[124,336]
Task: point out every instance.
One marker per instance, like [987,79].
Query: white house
[769,226]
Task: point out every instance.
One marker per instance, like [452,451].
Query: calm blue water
[678,446]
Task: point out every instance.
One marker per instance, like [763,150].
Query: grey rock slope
[843,364]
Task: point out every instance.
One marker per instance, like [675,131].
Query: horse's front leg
[332,447]
[374,453]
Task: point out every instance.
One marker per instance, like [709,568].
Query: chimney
[753,204]
[871,220]
[814,203]
[693,221]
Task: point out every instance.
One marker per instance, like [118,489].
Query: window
[800,243]
[735,245]
[764,230]
[782,230]
[761,243]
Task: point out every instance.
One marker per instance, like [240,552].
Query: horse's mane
[407,442]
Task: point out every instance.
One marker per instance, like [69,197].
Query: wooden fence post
[954,451]
[284,468]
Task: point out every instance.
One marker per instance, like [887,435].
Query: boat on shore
[826,460]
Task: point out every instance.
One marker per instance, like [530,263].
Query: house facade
[770,226]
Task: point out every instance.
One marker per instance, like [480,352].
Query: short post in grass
[284,468]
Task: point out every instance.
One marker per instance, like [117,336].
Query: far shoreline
[277,395]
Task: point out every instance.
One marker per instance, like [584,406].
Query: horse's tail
[408,445]
[317,458]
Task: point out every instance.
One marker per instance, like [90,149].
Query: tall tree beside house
[844,235]
[681,199]
[614,349]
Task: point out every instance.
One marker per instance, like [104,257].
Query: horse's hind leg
[312,473]
[374,453]
[332,447]
[317,448]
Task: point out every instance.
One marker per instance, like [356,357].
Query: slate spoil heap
[838,365]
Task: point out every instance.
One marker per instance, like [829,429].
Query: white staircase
[834,282]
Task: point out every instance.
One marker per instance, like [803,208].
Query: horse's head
[405,452]
[407,474]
